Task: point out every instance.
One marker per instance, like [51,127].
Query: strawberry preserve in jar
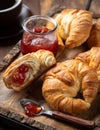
[39,33]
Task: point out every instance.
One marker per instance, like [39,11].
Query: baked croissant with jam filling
[74,26]
[27,68]
[65,81]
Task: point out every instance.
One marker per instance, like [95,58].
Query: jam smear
[31,109]
[19,75]
[42,40]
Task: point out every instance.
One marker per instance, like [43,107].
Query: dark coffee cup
[5,4]
[9,11]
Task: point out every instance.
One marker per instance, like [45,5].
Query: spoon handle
[72,119]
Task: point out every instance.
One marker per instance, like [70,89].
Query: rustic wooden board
[10,106]
[9,99]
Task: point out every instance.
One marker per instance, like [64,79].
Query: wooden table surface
[41,7]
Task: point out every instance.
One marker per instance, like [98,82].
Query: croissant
[94,38]
[61,45]
[92,58]
[74,26]
[65,81]
[27,68]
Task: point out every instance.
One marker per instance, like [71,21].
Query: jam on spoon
[31,109]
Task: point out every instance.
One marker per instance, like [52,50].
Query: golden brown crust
[37,63]
[74,26]
[92,58]
[61,45]
[63,83]
[94,38]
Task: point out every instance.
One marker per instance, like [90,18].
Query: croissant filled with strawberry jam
[27,68]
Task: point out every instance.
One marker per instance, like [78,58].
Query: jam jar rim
[39,17]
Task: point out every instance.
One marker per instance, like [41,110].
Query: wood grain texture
[13,53]
[46,5]
[34,5]
[10,104]
[10,107]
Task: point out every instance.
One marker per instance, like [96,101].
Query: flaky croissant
[94,38]
[65,81]
[61,45]
[74,26]
[27,68]
[92,58]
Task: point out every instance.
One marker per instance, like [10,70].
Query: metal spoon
[59,115]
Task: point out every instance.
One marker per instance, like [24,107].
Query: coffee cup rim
[17,2]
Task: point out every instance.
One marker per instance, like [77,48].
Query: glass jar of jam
[39,33]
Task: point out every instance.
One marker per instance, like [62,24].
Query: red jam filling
[41,30]
[19,76]
[31,109]
[32,43]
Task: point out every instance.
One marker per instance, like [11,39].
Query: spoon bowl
[25,102]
